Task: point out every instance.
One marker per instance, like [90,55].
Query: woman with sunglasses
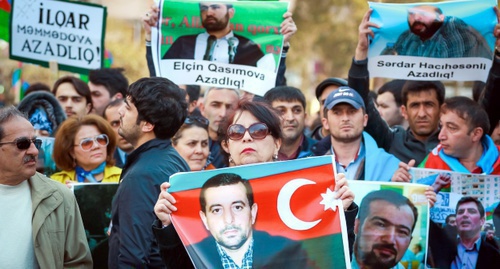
[191,142]
[83,150]
[251,134]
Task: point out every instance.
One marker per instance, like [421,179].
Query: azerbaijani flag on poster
[4,19]
[295,211]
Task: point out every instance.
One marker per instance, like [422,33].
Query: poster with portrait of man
[465,218]
[226,44]
[270,215]
[433,41]
[392,221]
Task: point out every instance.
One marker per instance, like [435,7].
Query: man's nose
[389,235]
[228,216]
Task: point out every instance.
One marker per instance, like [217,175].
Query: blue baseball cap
[344,94]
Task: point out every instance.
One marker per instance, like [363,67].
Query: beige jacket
[58,234]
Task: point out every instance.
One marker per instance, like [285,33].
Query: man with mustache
[214,44]
[431,34]
[465,145]
[291,103]
[40,223]
[383,230]
[356,152]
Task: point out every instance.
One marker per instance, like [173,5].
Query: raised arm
[359,80]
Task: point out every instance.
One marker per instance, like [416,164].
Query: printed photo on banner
[94,200]
[228,44]
[433,41]
[271,215]
[467,208]
[391,226]
[69,33]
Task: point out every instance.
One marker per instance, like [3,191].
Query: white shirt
[16,239]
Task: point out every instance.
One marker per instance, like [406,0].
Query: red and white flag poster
[271,215]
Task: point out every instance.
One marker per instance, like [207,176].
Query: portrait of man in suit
[219,43]
[228,212]
[472,248]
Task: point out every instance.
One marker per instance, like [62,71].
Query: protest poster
[477,198]
[433,41]
[485,188]
[94,201]
[45,163]
[229,44]
[386,227]
[68,33]
[4,19]
[294,221]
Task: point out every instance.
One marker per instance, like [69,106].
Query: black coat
[132,244]
[247,52]
[443,250]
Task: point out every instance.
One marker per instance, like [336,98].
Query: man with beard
[356,152]
[383,230]
[218,43]
[432,34]
[291,103]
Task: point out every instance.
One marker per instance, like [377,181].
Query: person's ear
[253,211]
[404,112]
[277,143]
[89,108]
[324,122]
[204,219]
[147,127]
[231,12]
[477,134]
[365,120]
[202,109]
[356,226]
[118,95]
[224,146]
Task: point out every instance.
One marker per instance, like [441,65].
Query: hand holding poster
[392,217]
[272,215]
[468,209]
[69,33]
[228,44]
[433,41]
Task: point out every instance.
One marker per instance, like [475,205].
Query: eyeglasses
[87,144]
[257,130]
[201,120]
[24,143]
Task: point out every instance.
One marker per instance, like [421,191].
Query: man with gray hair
[40,224]
[217,104]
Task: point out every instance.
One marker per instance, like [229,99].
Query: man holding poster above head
[228,212]
[383,230]
[432,34]
[219,43]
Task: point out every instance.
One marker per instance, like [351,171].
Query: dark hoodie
[46,102]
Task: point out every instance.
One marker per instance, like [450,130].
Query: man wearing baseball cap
[322,91]
[356,152]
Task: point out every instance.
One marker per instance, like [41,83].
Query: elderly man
[40,223]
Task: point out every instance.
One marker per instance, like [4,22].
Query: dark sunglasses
[24,143]
[87,144]
[257,130]
[201,120]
